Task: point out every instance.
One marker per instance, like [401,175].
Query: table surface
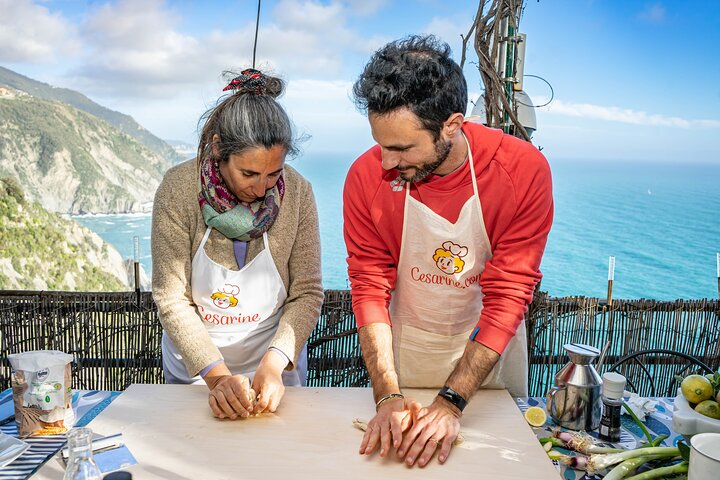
[170,430]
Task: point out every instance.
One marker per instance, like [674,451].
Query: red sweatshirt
[515,188]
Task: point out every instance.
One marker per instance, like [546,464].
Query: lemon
[709,408]
[535,416]
[696,388]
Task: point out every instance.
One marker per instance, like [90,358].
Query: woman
[236,255]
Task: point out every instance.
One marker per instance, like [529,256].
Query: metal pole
[136,265]
[509,73]
[611,278]
[717,259]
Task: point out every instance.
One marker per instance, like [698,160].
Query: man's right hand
[230,397]
[386,428]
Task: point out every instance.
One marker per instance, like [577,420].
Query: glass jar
[80,465]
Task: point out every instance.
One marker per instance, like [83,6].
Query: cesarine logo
[42,374]
[227,297]
[449,258]
[222,319]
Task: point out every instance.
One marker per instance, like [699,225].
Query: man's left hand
[436,426]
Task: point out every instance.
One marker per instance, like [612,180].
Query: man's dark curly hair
[414,72]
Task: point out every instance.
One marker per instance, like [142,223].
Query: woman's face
[251,173]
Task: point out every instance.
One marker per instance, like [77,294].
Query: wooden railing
[115,337]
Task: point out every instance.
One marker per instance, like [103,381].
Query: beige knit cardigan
[177,230]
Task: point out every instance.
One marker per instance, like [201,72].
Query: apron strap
[472,166]
[205,238]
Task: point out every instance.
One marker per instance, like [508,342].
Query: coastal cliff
[41,250]
[72,162]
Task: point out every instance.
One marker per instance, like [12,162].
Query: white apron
[437,299]
[241,311]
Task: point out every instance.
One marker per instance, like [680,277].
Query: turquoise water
[660,221]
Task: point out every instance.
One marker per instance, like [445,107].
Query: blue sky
[633,80]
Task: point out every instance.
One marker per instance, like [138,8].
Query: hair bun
[255,82]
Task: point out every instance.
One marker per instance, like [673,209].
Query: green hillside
[43,251]
[71,161]
[122,122]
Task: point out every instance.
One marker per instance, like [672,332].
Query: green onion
[583,443]
[637,420]
[555,442]
[661,472]
[599,462]
[627,467]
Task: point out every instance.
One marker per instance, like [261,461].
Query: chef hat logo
[449,258]
[230,289]
[455,249]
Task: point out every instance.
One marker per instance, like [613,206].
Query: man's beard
[442,150]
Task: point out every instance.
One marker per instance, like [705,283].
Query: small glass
[80,465]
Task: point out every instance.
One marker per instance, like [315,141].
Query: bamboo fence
[115,337]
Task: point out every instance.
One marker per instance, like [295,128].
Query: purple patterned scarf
[234,219]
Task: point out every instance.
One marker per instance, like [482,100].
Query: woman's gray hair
[245,119]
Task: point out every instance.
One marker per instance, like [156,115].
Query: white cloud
[653,13]
[623,115]
[308,15]
[449,31]
[31,33]
[138,50]
[366,7]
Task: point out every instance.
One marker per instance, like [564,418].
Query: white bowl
[704,456]
[688,422]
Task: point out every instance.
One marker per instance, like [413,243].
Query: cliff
[73,162]
[43,251]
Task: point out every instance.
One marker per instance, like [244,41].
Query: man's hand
[435,426]
[229,396]
[268,382]
[386,428]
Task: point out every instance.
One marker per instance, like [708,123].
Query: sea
[660,221]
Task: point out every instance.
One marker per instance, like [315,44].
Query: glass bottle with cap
[612,399]
[81,465]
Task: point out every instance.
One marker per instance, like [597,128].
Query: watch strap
[453,397]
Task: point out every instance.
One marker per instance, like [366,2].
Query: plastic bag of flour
[41,392]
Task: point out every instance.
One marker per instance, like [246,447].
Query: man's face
[406,146]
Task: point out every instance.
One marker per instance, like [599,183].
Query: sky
[629,80]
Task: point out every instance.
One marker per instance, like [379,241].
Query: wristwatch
[453,397]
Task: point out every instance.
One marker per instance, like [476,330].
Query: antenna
[257,27]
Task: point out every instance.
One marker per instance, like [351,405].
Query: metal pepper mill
[575,400]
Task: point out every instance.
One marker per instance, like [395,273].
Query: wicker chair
[652,372]
[334,358]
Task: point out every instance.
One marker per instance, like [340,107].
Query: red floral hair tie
[249,81]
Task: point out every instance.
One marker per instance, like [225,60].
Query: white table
[171,432]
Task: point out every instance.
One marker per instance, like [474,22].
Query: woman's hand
[230,396]
[268,381]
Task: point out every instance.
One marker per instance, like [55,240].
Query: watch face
[453,397]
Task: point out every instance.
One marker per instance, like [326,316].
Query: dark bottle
[612,395]
[118,476]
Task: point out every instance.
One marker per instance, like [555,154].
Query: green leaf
[684,451]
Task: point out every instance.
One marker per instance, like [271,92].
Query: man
[445,227]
